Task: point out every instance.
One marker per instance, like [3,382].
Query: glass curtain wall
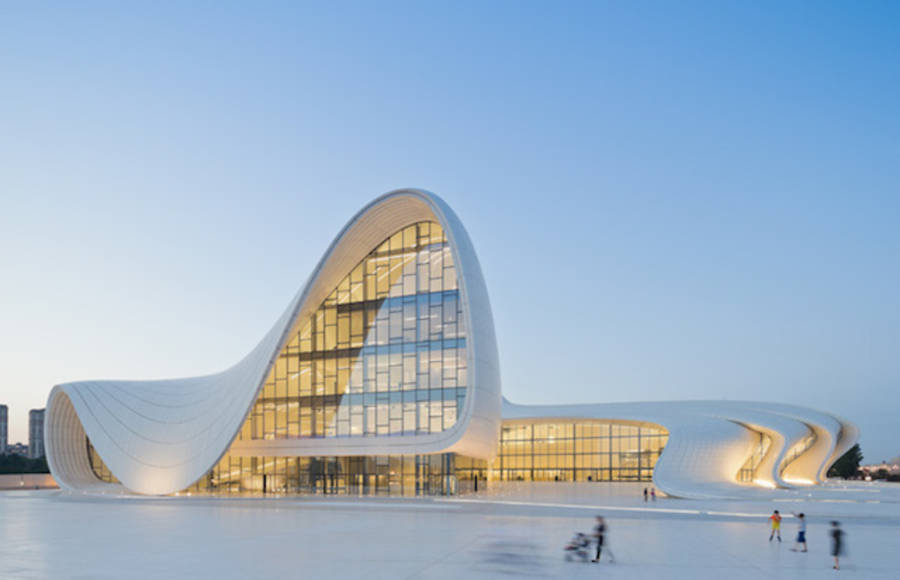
[396,475]
[400,475]
[97,466]
[577,451]
[383,355]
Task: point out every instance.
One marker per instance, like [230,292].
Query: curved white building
[382,376]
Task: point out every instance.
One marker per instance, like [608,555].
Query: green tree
[18,464]
[848,464]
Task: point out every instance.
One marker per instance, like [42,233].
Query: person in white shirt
[801,533]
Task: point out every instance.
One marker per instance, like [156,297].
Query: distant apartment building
[4,419]
[36,433]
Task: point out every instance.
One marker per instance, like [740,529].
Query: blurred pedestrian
[645,495]
[801,533]
[653,493]
[837,544]
[600,536]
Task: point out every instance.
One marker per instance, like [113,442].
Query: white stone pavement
[506,533]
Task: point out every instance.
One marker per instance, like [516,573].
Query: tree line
[20,464]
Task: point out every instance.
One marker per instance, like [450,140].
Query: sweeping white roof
[158,437]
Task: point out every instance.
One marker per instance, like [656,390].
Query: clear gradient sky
[669,200]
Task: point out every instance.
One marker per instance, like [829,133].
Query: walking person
[653,493]
[645,495]
[599,536]
[775,519]
[801,533]
[837,544]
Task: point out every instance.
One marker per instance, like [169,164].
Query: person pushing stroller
[600,533]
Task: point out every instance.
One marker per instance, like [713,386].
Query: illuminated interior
[793,453]
[747,472]
[578,451]
[384,354]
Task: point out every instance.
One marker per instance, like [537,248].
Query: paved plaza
[505,533]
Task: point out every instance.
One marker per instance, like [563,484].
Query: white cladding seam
[709,441]
[158,437]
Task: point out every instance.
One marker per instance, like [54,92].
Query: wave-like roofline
[160,436]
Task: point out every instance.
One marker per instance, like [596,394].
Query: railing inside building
[747,472]
[577,450]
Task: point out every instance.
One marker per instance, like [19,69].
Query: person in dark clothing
[599,536]
[837,544]
[645,495]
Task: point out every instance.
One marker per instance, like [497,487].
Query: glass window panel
[313,392]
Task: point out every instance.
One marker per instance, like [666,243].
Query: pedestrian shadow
[514,556]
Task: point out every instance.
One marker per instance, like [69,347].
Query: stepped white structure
[382,376]
[711,442]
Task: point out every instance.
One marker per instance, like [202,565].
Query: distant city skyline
[34,424]
[676,202]
[4,420]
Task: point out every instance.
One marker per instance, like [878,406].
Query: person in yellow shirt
[775,518]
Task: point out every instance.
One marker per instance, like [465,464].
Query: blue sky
[670,201]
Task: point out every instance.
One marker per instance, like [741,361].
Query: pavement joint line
[606,507]
[446,557]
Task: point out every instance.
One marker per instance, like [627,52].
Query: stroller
[578,547]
